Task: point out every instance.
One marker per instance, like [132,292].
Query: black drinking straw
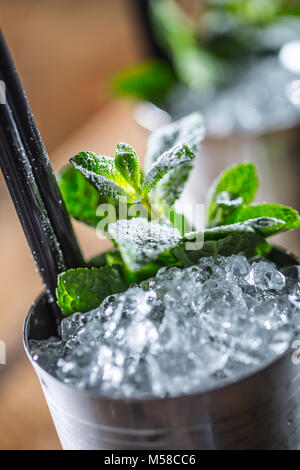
[31,182]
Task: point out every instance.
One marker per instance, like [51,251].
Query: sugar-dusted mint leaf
[287,214]
[141,242]
[127,164]
[81,199]
[150,80]
[172,158]
[83,289]
[188,131]
[101,172]
[238,184]
[195,66]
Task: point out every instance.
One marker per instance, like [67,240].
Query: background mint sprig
[142,246]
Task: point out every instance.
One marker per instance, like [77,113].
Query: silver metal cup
[261,411]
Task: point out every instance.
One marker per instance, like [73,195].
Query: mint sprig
[81,199]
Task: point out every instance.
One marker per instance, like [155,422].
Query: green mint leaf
[188,131]
[141,242]
[83,289]
[226,240]
[236,186]
[173,158]
[101,172]
[287,214]
[150,80]
[81,199]
[127,164]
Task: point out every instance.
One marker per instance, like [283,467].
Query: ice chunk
[265,276]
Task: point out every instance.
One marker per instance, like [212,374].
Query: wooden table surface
[25,422]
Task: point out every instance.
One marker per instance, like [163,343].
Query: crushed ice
[181,331]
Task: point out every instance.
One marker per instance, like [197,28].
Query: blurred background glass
[237,62]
